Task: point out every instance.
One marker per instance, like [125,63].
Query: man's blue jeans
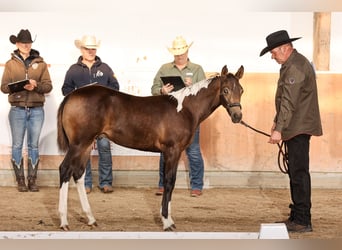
[24,120]
[105,165]
[196,165]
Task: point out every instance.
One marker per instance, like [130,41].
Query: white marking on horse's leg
[168,223]
[63,205]
[84,200]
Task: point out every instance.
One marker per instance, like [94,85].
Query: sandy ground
[137,210]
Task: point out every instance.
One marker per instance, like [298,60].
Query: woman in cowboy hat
[90,69]
[26,114]
[190,73]
[297,119]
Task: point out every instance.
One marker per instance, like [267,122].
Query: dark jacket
[33,67]
[80,75]
[296,99]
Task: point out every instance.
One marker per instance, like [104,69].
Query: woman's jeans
[105,165]
[196,165]
[26,120]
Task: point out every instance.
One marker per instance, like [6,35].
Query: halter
[236,104]
[230,105]
[227,105]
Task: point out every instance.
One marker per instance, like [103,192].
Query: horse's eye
[225,91]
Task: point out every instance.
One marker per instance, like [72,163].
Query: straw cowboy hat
[179,46]
[24,36]
[276,39]
[88,42]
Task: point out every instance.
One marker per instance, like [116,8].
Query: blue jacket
[80,75]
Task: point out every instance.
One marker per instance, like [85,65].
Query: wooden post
[321,40]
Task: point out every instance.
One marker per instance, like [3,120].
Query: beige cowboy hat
[179,46]
[88,42]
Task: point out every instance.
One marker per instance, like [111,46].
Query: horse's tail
[62,139]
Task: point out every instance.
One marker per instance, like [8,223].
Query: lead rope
[282,163]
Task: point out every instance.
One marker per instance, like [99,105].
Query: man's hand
[275,137]
[167,88]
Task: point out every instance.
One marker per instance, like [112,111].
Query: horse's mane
[190,90]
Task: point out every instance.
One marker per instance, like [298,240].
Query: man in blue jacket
[90,69]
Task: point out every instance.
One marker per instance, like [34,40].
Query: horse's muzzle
[236,117]
[234,111]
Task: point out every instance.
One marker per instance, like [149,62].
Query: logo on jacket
[292,80]
[99,73]
[35,66]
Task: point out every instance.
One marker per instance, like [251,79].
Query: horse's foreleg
[63,205]
[84,201]
[168,223]
[170,172]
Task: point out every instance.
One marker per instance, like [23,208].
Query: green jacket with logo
[296,99]
[170,69]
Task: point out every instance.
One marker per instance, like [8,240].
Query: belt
[25,107]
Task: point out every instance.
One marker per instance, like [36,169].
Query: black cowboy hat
[24,36]
[276,39]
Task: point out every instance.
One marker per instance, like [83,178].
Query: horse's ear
[224,70]
[240,72]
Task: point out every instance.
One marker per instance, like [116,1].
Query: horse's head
[230,93]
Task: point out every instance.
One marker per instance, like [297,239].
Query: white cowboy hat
[179,46]
[88,42]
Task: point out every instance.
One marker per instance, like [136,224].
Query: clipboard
[18,85]
[176,81]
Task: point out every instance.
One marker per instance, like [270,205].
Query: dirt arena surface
[137,210]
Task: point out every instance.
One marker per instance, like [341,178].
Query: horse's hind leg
[72,166]
[64,178]
[84,201]
[63,206]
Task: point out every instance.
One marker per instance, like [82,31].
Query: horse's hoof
[170,228]
[65,228]
[93,225]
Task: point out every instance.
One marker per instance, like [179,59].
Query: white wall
[135,36]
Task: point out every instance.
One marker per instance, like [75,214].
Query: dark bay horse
[163,123]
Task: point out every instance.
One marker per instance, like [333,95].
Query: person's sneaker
[160,191]
[297,228]
[107,189]
[88,190]
[195,193]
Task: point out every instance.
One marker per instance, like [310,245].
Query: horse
[164,123]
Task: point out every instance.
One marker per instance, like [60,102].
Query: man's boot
[19,174]
[32,176]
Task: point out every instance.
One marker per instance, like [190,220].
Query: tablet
[18,85]
[176,81]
